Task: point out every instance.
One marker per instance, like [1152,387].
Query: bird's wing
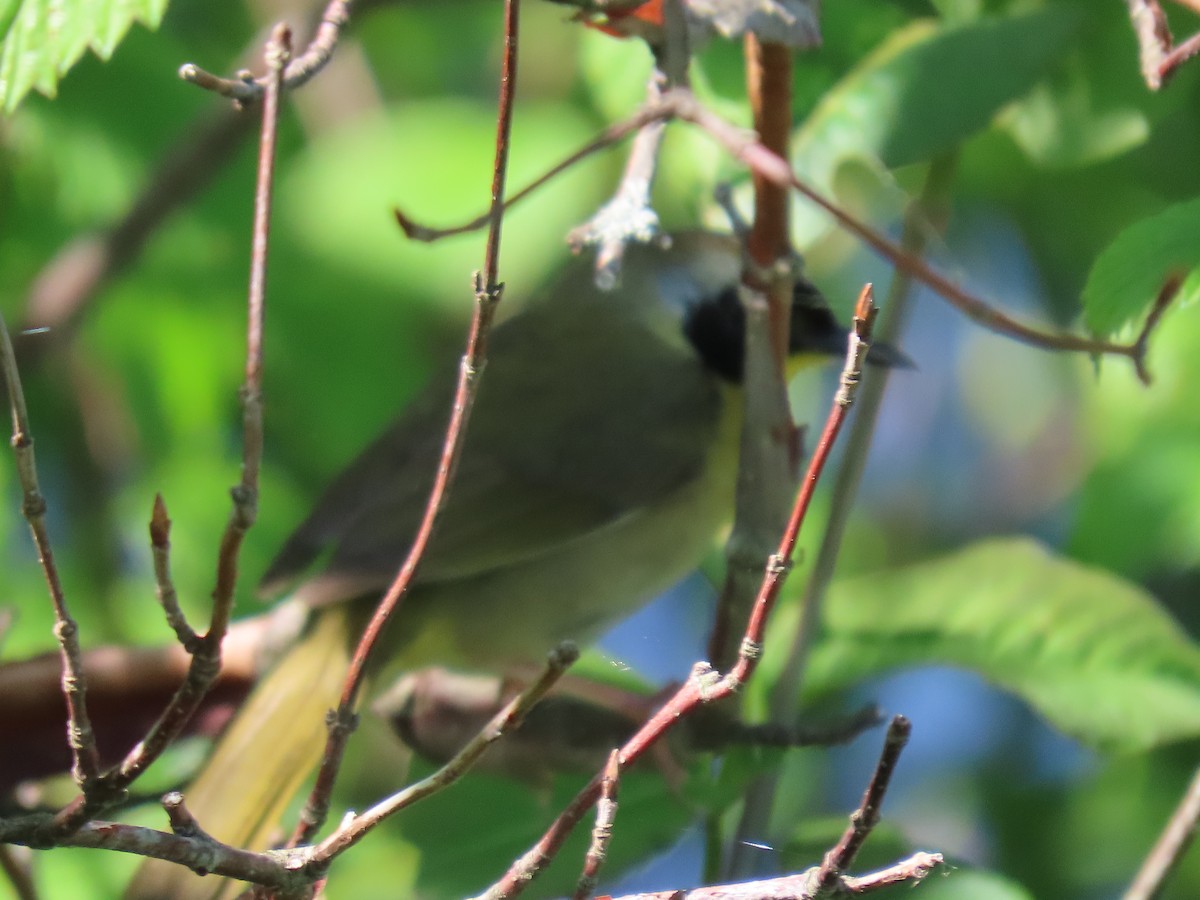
[529,480]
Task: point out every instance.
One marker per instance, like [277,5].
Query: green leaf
[974,883]
[1091,652]
[41,39]
[921,92]
[1127,276]
[1063,126]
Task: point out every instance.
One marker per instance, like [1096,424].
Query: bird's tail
[259,764]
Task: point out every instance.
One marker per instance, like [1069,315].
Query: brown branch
[1176,837]
[704,685]
[487,296]
[864,819]
[246,89]
[648,115]
[799,887]
[205,651]
[769,86]
[85,758]
[606,814]
[503,723]
[277,869]
[744,146]
[785,696]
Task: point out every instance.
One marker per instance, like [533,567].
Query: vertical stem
[768,452]
[85,761]
[487,295]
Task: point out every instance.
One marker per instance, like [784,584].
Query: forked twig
[487,296]
[205,650]
[703,684]
[866,817]
[745,147]
[246,89]
[504,722]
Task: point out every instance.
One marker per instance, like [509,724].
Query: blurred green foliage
[1075,197]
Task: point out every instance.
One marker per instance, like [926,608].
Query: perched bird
[598,468]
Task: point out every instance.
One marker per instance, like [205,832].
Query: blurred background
[136,391]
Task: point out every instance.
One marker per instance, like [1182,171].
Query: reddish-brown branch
[769,85]
[487,296]
[743,146]
[704,685]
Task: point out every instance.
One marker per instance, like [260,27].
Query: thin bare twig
[487,296]
[1176,837]
[246,89]
[866,817]
[205,650]
[628,216]
[168,598]
[505,722]
[704,685]
[800,886]
[745,147]
[785,694]
[606,815]
[85,759]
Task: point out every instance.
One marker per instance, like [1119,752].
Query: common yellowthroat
[598,468]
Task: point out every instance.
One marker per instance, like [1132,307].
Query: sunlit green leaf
[920,93]
[1064,126]
[42,39]
[1091,652]
[1128,275]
